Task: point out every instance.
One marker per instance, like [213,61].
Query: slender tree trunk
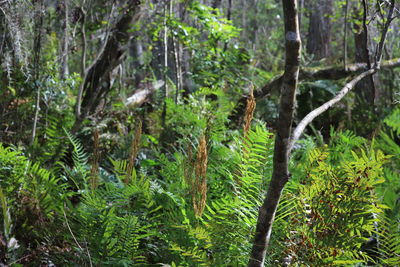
[365,89]
[319,31]
[139,52]
[187,81]
[136,65]
[166,49]
[36,72]
[346,11]
[216,4]
[64,57]
[167,7]
[228,17]
[280,174]
[301,11]
[229,11]
[83,59]
[178,72]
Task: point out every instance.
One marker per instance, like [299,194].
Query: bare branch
[318,111]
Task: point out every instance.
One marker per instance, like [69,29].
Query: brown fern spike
[200,193]
[188,170]
[248,117]
[94,172]
[250,107]
[134,151]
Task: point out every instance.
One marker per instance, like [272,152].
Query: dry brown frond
[250,107]
[188,170]
[248,117]
[200,193]
[134,151]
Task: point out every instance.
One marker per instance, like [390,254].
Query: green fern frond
[78,154]
[79,174]
[393,120]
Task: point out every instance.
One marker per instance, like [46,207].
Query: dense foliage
[171,165]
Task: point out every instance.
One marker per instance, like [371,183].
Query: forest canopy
[199,133]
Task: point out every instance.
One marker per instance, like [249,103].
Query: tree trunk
[319,30]
[37,45]
[98,78]
[65,46]
[136,51]
[216,4]
[365,89]
[280,174]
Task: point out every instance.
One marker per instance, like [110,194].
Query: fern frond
[393,120]
[78,154]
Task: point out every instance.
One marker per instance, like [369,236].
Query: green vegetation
[171,156]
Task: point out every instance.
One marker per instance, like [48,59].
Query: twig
[90,258]
[76,241]
[69,228]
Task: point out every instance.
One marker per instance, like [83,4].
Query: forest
[199,133]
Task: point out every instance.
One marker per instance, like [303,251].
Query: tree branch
[318,111]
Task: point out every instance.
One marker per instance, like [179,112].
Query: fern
[114,221]
[388,241]
[78,154]
[79,173]
[54,138]
[342,143]
[393,120]
[32,198]
[336,208]
[229,219]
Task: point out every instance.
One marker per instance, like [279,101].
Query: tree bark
[280,174]
[366,87]
[346,11]
[65,46]
[319,29]
[216,4]
[83,58]
[98,78]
